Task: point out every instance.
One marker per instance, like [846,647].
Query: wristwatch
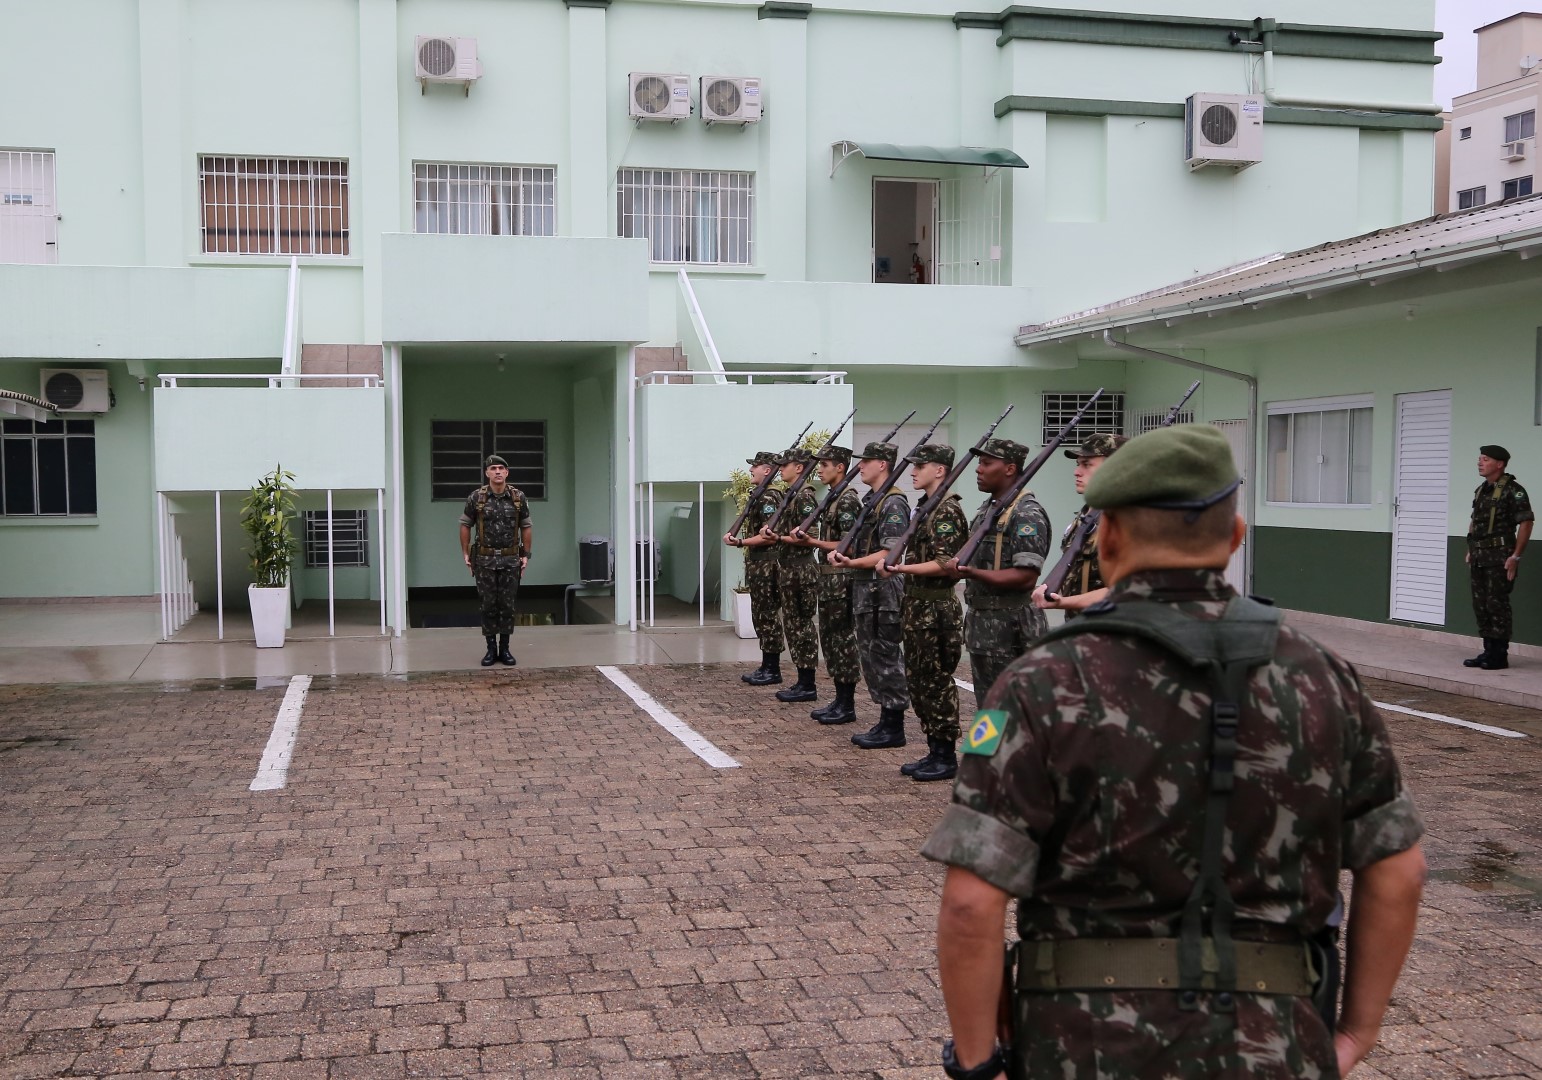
[991,1067]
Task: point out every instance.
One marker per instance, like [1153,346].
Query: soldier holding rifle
[1083,580]
[761,567]
[797,576]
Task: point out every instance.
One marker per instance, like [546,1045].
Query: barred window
[1150,421]
[457,449]
[482,200]
[29,219]
[274,206]
[1106,416]
[47,468]
[350,538]
[687,216]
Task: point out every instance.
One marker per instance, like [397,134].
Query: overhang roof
[990,157]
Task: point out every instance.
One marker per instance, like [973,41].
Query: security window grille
[1320,455]
[1522,125]
[29,224]
[458,448]
[350,538]
[1514,189]
[1106,416]
[686,216]
[1466,133]
[47,468]
[1466,200]
[274,206]
[1150,421]
[482,200]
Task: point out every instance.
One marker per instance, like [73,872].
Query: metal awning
[988,157]
[26,406]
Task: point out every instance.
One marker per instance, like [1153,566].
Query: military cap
[880,451]
[1013,453]
[1186,467]
[1098,444]
[762,457]
[494,459]
[934,453]
[841,455]
[1495,451]
[795,456]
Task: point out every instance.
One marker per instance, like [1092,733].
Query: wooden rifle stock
[808,471]
[760,488]
[835,493]
[884,489]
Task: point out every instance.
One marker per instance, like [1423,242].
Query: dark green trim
[1536,386]
[1329,571]
[783,9]
[588,3]
[1273,114]
[1525,600]
[974,20]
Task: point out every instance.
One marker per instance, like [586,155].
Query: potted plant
[266,515]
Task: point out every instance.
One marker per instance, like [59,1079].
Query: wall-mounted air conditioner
[652,96]
[1512,151]
[730,99]
[447,60]
[1223,129]
[76,390]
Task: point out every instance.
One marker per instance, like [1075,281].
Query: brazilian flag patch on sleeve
[984,736]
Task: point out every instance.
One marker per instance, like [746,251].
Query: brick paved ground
[519,874]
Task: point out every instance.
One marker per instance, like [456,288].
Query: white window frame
[1475,196]
[1341,403]
[1523,120]
[1464,133]
[242,218]
[468,206]
[29,191]
[1519,194]
[651,203]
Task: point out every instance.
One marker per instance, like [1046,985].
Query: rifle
[988,520]
[894,474]
[835,493]
[935,499]
[1056,579]
[808,471]
[760,488]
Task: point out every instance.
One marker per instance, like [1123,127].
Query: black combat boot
[770,672]
[1498,657]
[505,657]
[492,652]
[910,768]
[1477,661]
[751,676]
[843,709]
[802,690]
[889,731]
[944,763]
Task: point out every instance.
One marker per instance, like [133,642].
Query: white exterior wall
[1476,161]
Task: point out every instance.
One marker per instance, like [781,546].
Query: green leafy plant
[266,515]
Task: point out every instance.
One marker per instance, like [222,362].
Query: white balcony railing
[715,378]
[171,381]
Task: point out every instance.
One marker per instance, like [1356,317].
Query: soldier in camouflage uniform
[1175,837]
[501,517]
[1084,584]
[798,579]
[761,574]
[1002,621]
[1500,530]
[931,619]
[875,602]
[837,632]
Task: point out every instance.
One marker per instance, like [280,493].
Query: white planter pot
[744,626]
[270,613]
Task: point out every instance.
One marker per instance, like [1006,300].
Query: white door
[29,224]
[908,436]
[1420,500]
[1236,432]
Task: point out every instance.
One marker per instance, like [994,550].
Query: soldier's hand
[837,559]
[767,533]
[884,569]
[802,537]
[1512,566]
[730,539]
[466,555]
[1044,599]
[955,571]
[524,561]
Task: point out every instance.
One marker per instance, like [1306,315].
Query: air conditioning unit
[658,97]
[1223,129]
[82,390]
[447,60]
[1512,151]
[730,99]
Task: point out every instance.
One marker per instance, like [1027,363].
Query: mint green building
[630,242]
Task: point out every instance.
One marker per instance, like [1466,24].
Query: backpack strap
[481,495]
[1003,523]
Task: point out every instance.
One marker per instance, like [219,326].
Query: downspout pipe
[1267,29]
[1251,468]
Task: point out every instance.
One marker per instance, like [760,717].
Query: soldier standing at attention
[837,633]
[1500,530]
[501,515]
[798,580]
[760,574]
[1084,583]
[1002,620]
[875,603]
[1171,785]
[931,618]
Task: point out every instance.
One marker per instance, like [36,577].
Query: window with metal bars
[273,206]
[688,216]
[482,200]
[29,222]
[47,468]
[1107,416]
[457,449]
[350,538]
[1150,421]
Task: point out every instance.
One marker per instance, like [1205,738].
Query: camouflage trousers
[799,585]
[1491,599]
[497,587]
[875,615]
[997,637]
[837,633]
[934,644]
[762,575]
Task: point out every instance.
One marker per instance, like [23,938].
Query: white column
[631,481]
[701,554]
[653,559]
[160,561]
[331,566]
[380,551]
[398,545]
[219,571]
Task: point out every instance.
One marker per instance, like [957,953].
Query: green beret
[1186,467]
[1013,453]
[494,459]
[841,455]
[1495,451]
[932,454]
[1097,445]
[762,457]
[880,451]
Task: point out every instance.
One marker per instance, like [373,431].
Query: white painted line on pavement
[669,721]
[965,685]
[273,771]
[1503,733]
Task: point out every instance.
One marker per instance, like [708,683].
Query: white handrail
[292,319]
[699,321]
[825,378]
[170,380]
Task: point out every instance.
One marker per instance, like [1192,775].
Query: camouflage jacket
[838,520]
[1019,541]
[1497,510]
[502,514]
[1090,808]
[941,534]
[884,524]
[804,503]
[760,513]
[1083,575]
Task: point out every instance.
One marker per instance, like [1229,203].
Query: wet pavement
[521,873]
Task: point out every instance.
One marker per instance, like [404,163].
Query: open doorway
[904,231]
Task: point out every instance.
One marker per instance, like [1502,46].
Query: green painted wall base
[1525,601]
[1327,571]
